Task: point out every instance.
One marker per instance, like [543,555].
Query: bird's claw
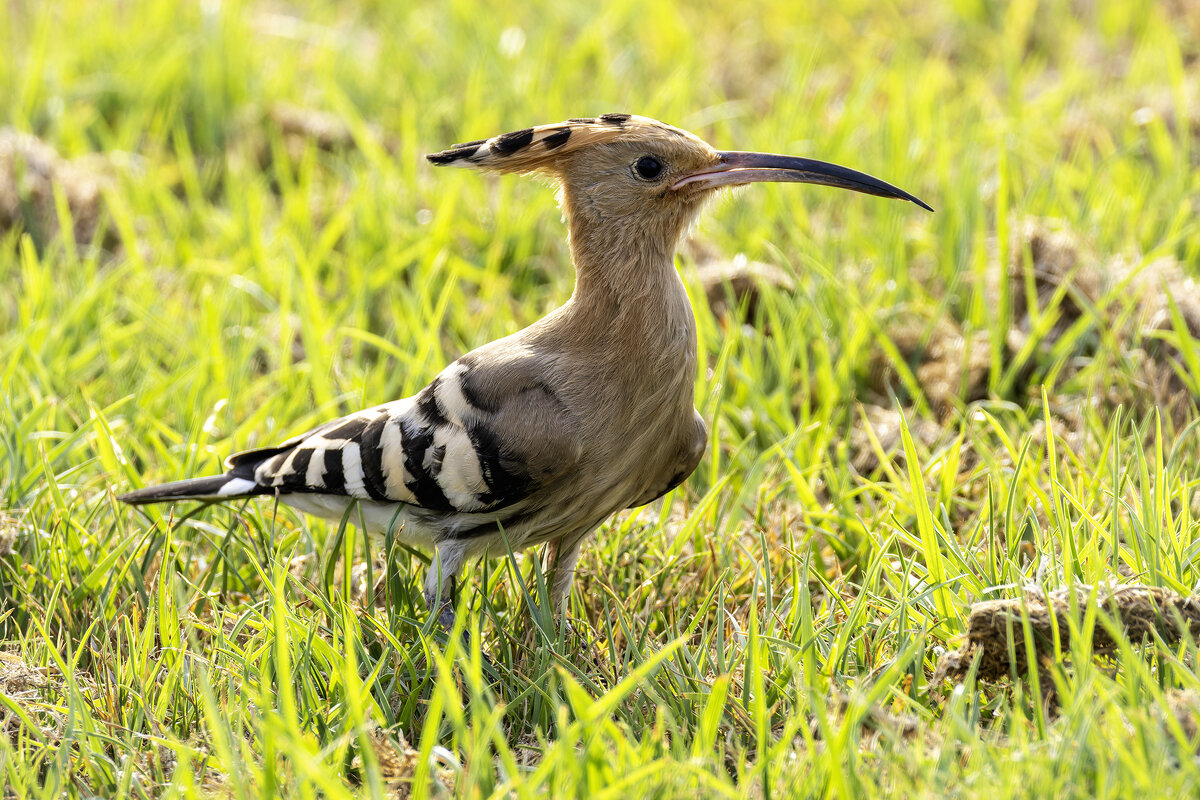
[445,616]
[442,603]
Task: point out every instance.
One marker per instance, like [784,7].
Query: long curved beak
[737,167]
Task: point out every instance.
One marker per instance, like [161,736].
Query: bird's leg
[446,612]
[441,590]
[559,561]
[561,557]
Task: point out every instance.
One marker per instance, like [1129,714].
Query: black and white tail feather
[215,487]
[435,451]
[452,467]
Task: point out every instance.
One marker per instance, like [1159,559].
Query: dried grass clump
[876,720]
[1159,362]
[996,628]
[883,425]
[28,688]
[298,128]
[398,762]
[1053,272]
[30,170]
[955,369]
[730,283]
[1184,706]
[1049,267]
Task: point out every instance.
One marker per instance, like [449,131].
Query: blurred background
[217,228]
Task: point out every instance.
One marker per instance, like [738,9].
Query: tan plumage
[540,436]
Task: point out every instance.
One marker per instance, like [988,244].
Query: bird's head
[634,179]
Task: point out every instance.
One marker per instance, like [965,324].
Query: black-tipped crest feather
[540,147]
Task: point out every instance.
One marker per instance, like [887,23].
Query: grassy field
[225,232]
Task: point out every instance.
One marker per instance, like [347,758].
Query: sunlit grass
[750,635]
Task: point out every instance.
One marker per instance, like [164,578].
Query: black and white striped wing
[435,451]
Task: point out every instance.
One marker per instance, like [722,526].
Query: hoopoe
[542,435]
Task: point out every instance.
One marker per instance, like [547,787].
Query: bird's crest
[540,147]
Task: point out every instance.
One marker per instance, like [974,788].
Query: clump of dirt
[910,334]
[877,431]
[31,171]
[996,628]
[1184,706]
[1169,284]
[298,128]
[951,365]
[956,369]
[1126,119]
[876,720]
[1062,270]
[1054,279]
[1049,271]
[1184,16]
[1155,347]
[265,140]
[731,283]
[1177,109]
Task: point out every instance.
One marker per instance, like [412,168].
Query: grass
[768,630]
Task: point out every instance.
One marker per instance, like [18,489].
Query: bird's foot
[445,616]
[446,619]
[440,600]
[442,603]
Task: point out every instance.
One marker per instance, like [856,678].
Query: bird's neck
[626,284]
[628,328]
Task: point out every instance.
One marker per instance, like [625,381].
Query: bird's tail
[215,487]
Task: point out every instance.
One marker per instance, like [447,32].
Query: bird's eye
[648,168]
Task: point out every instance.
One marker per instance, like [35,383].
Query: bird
[539,437]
